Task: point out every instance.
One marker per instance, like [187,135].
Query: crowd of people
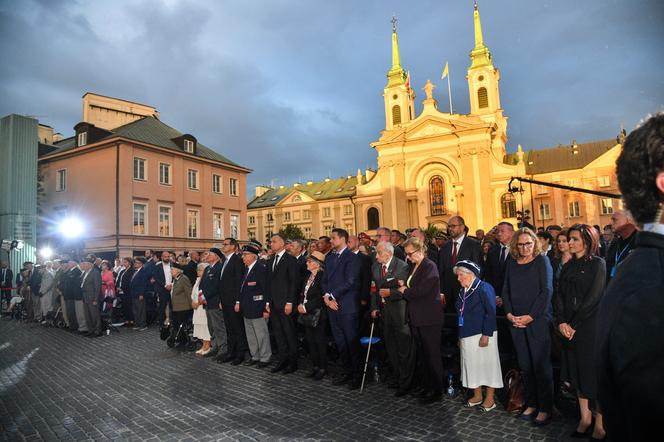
[511,289]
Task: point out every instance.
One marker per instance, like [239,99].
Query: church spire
[396,75]
[480,55]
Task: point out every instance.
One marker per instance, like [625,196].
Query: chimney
[369,174]
[261,190]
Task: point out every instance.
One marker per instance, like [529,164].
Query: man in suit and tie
[282,282]
[365,262]
[192,265]
[341,285]
[163,283]
[71,290]
[123,285]
[460,247]
[299,252]
[232,272]
[91,290]
[389,304]
[254,306]
[211,286]
[494,273]
[138,287]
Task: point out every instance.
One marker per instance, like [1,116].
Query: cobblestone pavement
[55,385]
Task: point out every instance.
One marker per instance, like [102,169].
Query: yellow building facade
[438,164]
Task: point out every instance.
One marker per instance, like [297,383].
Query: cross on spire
[394,23]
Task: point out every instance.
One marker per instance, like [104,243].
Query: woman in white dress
[200,318]
[478,339]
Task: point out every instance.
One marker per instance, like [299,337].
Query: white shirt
[458,242]
[85,275]
[168,278]
[387,265]
[277,258]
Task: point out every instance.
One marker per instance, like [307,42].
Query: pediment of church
[295,197]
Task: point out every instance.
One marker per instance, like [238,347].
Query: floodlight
[71,228]
[46,252]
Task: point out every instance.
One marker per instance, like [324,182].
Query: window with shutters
[396,114]
[482,98]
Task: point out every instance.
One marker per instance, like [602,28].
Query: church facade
[438,164]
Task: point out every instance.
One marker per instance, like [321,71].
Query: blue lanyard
[618,256]
[465,296]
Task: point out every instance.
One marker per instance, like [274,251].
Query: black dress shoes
[224,357]
[341,380]
[542,422]
[262,364]
[401,392]
[320,374]
[236,361]
[431,397]
[280,366]
[313,372]
[355,384]
[290,369]
[393,385]
[251,362]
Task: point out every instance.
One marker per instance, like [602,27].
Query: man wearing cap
[138,288]
[254,305]
[341,285]
[211,287]
[388,302]
[232,271]
[91,290]
[282,283]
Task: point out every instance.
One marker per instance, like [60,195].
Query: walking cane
[366,361]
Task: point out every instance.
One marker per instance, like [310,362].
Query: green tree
[431,231]
[291,231]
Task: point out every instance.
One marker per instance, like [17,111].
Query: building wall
[109,113]
[90,195]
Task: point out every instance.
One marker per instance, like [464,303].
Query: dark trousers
[138,306]
[400,351]
[428,342]
[92,315]
[217,329]
[533,353]
[283,328]
[164,299]
[344,329]
[127,311]
[316,338]
[71,314]
[237,338]
[181,318]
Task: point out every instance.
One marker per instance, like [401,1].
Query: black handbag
[310,319]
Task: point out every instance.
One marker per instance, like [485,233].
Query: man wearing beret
[254,304]
[211,287]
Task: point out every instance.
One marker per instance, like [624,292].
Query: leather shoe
[313,372]
[224,357]
[431,398]
[543,422]
[280,366]
[262,364]
[236,361]
[320,374]
[341,380]
[421,394]
[401,392]
[355,384]
[250,362]
[289,369]
[393,385]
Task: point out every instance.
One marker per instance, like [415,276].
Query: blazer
[8,280]
[469,249]
[283,281]
[365,277]
[342,280]
[91,286]
[394,306]
[231,278]
[479,310]
[493,271]
[423,296]
[190,271]
[140,282]
[181,294]
[302,268]
[72,285]
[314,294]
[160,278]
[211,286]
[579,290]
[253,293]
[123,280]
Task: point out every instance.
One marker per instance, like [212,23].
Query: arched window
[437,195]
[508,206]
[373,219]
[482,97]
[396,114]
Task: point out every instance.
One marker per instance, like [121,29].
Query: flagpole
[449,90]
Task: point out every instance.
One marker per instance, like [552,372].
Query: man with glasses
[383,234]
[460,247]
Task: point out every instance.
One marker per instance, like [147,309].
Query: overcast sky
[293,88]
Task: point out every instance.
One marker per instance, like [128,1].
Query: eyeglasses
[454,225]
[524,244]
[409,254]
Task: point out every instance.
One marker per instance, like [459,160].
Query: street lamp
[71,228]
[46,252]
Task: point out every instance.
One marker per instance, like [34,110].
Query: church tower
[399,96]
[483,78]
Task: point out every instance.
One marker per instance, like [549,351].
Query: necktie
[503,255]
[223,266]
[454,252]
[276,261]
[383,271]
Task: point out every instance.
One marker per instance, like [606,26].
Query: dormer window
[82,139]
[188,146]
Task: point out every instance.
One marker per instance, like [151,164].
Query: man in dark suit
[163,283]
[282,280]
[365,282]
[138,287]
[192,265]
[388,303]
[123,285]
[254,305]
[458,248]
[6,281]
[211,286]
[71,290]
[91,290]
[341,284]
[299,252]
[232,271]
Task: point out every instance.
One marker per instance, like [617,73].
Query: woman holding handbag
[312,315]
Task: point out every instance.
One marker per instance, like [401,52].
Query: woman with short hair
[527,304]
[313,316]
[476,310]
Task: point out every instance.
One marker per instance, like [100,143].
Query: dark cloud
[293,89]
